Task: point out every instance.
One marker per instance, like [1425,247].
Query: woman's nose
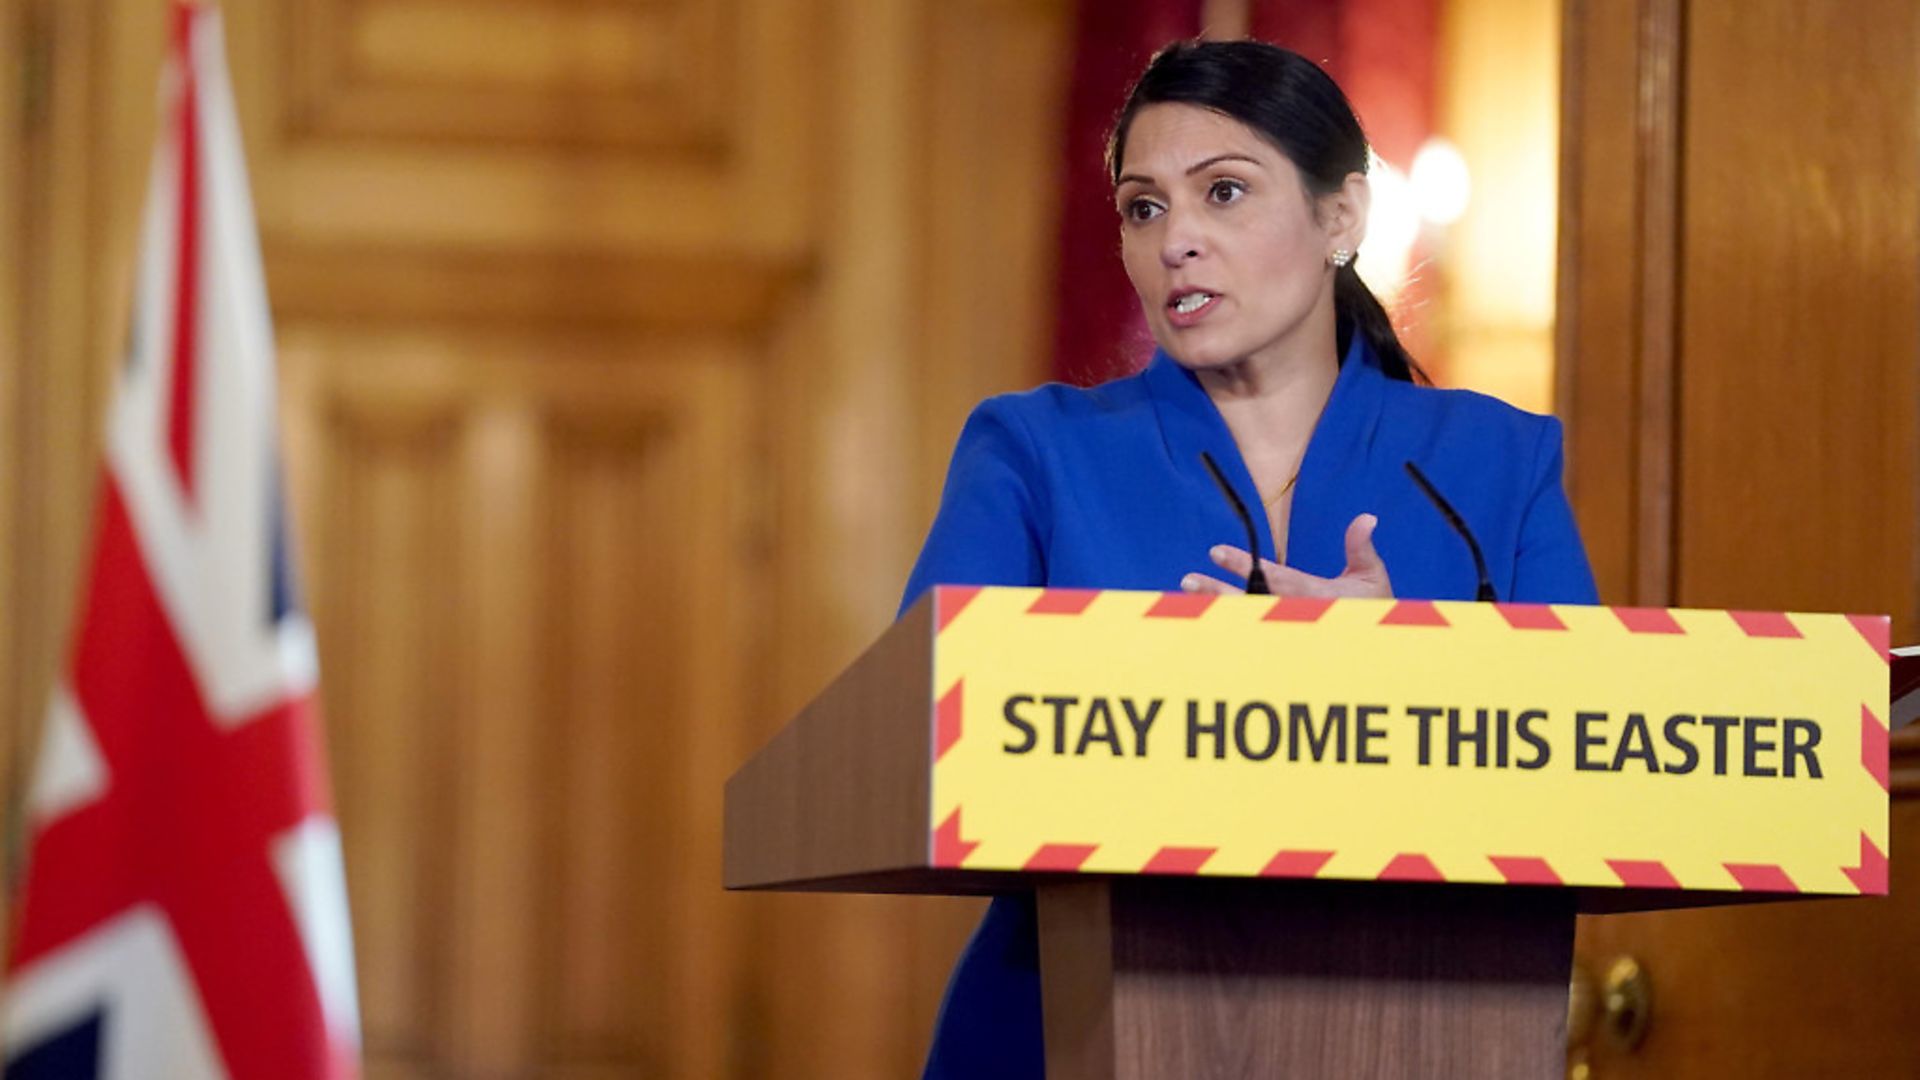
[1181,242]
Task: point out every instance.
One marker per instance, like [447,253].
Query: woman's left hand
[1365,575]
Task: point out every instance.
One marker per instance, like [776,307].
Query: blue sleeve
[991,526]
[1552,562]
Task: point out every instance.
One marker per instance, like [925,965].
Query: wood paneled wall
[1740,351]
[622,348]
[13,342]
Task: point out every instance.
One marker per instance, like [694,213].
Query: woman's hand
[1365,575]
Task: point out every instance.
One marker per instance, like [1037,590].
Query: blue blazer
[1104,488]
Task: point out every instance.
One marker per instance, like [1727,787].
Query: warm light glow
[1441,183]
[1393,224]
[1499,109]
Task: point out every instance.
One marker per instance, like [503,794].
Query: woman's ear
[1343,213]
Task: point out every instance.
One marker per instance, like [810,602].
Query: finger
[1362,559]
[1201,583]
[1232,559]
[1237,562]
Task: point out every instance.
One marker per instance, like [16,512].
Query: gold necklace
[1282,493]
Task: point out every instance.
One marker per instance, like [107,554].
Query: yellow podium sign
[1128,732]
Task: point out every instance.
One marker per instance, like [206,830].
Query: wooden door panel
[1799,462]
[530,125]
[527,582]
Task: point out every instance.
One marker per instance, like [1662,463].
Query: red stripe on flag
[1060,856]
[1643,874]
[1296,863]
[188,823]
[1414,613]
[1175,605]
[1530,616]
[1648,620]
[1302,609]
[1761,877]
[1875,755]
[946,723]
[186,306]
[1766,624]
[949,601]
[949,850]
[1525,870]
[1875,629]
[1870,877]
[1063,601]
[1178,860]
[1411,867]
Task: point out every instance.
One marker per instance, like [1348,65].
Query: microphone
[1485,591]
[1257,579]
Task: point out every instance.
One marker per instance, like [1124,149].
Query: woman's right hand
[1365,575]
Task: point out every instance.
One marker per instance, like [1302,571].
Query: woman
[1239,175]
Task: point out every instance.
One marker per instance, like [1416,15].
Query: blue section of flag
[70,1054]
[284,596]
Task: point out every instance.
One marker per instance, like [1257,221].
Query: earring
[1341,257]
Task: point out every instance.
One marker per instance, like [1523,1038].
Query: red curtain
[1382,52]
[1100,332]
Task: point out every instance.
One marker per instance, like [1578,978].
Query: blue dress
[1104,488]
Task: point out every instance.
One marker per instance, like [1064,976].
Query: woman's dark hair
[1294,105]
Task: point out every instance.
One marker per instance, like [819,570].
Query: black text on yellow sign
[1450,736]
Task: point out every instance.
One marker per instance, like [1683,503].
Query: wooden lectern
[1177,964]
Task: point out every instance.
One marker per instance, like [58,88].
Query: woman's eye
[1142,210]
[1225,191]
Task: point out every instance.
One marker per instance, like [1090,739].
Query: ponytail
[1357,309]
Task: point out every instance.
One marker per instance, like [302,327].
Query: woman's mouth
[1188,308]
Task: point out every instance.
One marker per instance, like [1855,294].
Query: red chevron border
[949,601]
[949,850]
[1643,874]
[1295,864]
[1414,613]
[946,719]
[1876,755]
[1409,866]
[1870,877]
[1878,630]
[1063,601]
[1300,609]
[1530,616]
[1761,877]
[1765,624]
[1060,857]
[1178,860]
[1525,870]
[1653,620]
[1176,605]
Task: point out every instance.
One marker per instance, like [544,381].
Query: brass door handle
[1619,1005]
[1626,998]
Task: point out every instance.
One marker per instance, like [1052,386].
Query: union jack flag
[184,912]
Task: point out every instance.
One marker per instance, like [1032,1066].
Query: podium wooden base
[1202,979]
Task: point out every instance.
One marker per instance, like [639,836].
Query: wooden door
[622,347]
[1740,336]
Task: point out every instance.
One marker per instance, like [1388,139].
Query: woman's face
[1221,241]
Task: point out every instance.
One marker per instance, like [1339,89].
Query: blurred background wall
[623,345]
